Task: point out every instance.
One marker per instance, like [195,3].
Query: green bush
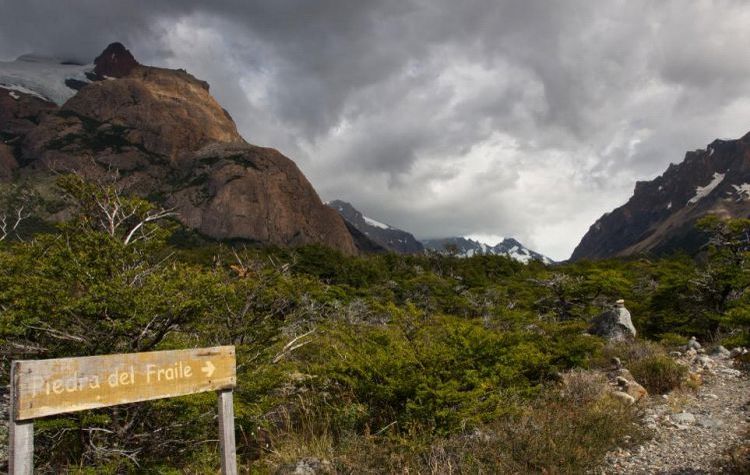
[424,363]
[630,352]
[672,340]
[549,434]
[659,374]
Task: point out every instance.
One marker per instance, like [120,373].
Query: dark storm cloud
[476,117]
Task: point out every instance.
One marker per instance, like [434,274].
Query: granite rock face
[248,192]
[159,134]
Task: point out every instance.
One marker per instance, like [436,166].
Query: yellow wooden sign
[47,387]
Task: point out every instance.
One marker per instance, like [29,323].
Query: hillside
[660,217]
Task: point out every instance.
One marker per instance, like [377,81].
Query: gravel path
[693,432]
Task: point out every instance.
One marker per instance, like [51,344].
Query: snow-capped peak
[467,247]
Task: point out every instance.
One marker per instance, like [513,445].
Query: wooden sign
[45,387]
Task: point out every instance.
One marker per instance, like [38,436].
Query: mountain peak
[115,61]
[157,133]
[660,217]
[384,235]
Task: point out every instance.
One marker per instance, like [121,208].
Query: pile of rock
[693,431]
[623,385]
[695,357]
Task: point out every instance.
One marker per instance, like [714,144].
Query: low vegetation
[430,363]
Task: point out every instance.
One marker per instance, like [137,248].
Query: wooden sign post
[46,387]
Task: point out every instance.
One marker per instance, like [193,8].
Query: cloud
[525,119]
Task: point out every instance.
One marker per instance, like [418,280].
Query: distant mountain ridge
[464,247]
[373,234]
[388,237]
[660,216]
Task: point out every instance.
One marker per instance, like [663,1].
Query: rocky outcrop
[660,216]
[160,134]
[20,113]
[248,192]
[115,61]
[614,324]
[161,112]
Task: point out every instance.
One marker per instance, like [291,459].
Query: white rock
[720,352]
[693,344]
[683,418]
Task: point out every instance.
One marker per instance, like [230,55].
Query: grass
[561,431]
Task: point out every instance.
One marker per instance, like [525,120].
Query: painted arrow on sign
[208,369]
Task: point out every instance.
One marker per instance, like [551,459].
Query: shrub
[739,456]
[583,387]
[658,374]
[550,434]
[630,352]
[672,340]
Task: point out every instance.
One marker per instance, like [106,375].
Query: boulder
[693,344]
[623,397]
[307,466]
[632,388]
[705,362]
[614,324]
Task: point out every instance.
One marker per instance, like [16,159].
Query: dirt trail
[693,431]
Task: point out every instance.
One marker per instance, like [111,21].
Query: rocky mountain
[660,216]
[384,235]
[157,133]
[464,247]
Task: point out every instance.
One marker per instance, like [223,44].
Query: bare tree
[105,207]
[16,206]
[10,220]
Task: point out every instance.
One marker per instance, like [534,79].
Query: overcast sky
[491,118]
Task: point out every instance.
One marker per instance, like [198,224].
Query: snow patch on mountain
[742,191]
[43,77]
[377,224]
[703,191]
